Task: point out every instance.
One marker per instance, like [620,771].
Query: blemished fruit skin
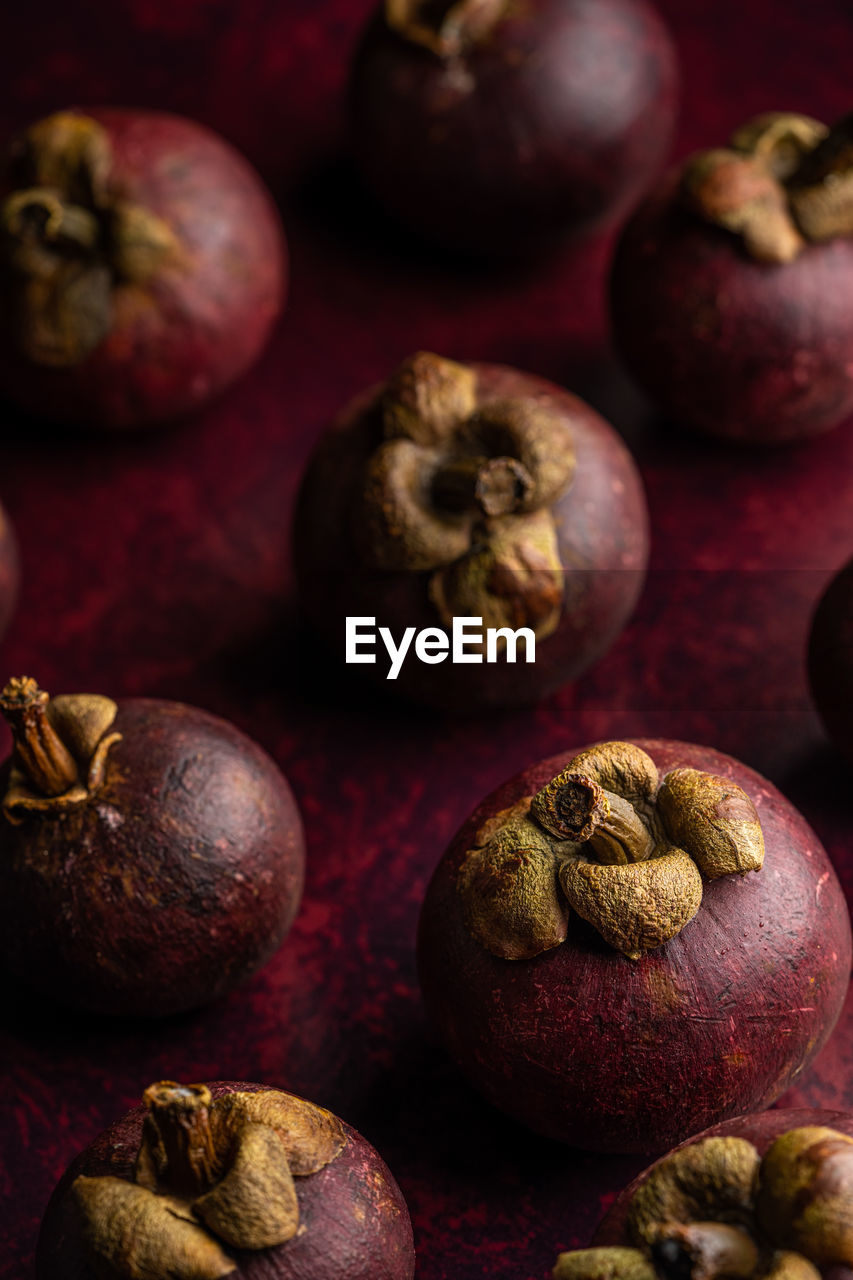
[602,535]
[9,571]
[180,339]
[355,1220]
[751,351]
[831,659]
[610,1054]
[761,1129]
[169,885]
[554,122]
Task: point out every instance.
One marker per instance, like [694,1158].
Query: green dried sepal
[710,1179]
[635,906]
[619,767]
[604,1264]
[714,820]
[805,1194]
[786,1265]
[510,899]
[254,1205]
[427,398]
[312,1137]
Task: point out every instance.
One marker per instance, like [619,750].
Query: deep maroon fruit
[142,266]
[623,945]
[831,659]
[151,856]
[768,1196]
[489,125]
[8,571]
[732,288]
[472,491]
[232,1180]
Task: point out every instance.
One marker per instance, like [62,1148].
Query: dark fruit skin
[610,1054]
[761,1130]
[727,345]
[8,571]
[176,880]
[831,659]
[555,122]
[179,341]
[602,529]
[355,1218]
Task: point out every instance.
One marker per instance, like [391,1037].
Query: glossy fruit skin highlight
[610,1054]
[172,883]
[355,1218]
[602,530]
[9,571]
[831,659]
[750,351]
[554,122]
[181,339]
[761,1129]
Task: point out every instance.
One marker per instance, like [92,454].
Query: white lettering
[395,653]
[431,645]
[461,638]
[353,640]
[511,638]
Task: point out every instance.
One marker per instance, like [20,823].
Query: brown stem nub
[38,215]
[705,1251]
[39,750]
[442,26]
[180,1117]
[574,807]
[494,486]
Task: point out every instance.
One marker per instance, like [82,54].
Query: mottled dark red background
[159,565]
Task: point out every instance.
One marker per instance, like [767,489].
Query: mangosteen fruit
[151,855]
[471,493]
[629,942]
[732,287]
[227,1179]
[493,127]
[762,1197]
[142,266]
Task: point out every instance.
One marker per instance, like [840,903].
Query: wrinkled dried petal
[60,318]
[69,152]
[312,1136]
[254,1205]
[713,1178]
[398,526]
[81,720]
[513,578]
[131,1234]
[141,243]
[604,1264]
[780,139]
[821,191]
[619,767]
[427,398]
[713,1248]
[537,433]
[791,1266]
[740,194]
[510,899]
[714,820]
[638,906]
[805,1194]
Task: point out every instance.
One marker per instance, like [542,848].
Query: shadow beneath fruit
[819,786]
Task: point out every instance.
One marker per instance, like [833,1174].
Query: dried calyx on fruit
[61,747]
[68,238]
[209,1176]
[447,28]
[462,490]
[611,841]
[784,182]
[716,1209]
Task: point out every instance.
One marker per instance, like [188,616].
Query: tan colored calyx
[446,28]
[611,842]
[67,240]
[208,1174]
[785,181]
[805,1194]
[461,488]
[60,748]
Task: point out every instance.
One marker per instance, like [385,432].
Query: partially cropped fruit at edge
[473,490]
[616,938]
[8,571]
[761,1197]
[142,266]
[732,288]
[831,659]
[492,126]
[227,1179]
[151,855]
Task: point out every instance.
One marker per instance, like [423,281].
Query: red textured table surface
[159,565]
